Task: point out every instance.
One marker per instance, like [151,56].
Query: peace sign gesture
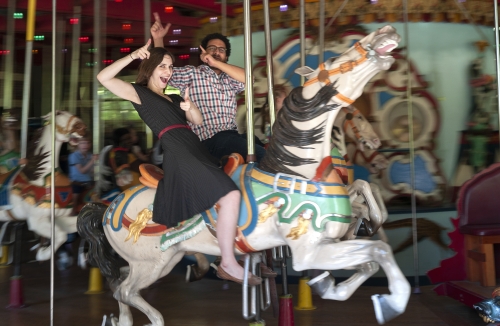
[141,53]
[158,31]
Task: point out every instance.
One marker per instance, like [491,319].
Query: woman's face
[161,75]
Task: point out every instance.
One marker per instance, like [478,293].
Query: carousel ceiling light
[84,39]
[125,50]
[184,56]
[39,37]
[173,41]
[169,9]
[107,62]
[126,27]
[92,50]
[177,31]
[283,7]
[193,49]
[128,40]
[18,15]
[73,21]
[34,51]
[213,19]
[4,52]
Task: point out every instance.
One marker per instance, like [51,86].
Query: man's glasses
[213,49]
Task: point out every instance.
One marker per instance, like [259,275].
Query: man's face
[217,49]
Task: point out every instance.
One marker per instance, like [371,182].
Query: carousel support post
[16,286]
[286,317]
[251,157]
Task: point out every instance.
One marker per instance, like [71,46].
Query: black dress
[192,181]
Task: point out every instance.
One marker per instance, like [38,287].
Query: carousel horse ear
[304,71]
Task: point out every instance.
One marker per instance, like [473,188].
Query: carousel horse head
[69,128]
[354,68]
[352,123]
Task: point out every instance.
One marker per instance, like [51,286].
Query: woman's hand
[141,53]
[186,105]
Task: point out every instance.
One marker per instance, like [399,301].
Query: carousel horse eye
[349,116]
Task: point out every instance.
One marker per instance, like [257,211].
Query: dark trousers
[227,142]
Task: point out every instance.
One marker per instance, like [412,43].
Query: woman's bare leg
[226,232]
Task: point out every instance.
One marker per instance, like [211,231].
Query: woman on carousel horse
[192,181]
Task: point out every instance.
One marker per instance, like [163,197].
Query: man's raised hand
[158,31]
[186,105]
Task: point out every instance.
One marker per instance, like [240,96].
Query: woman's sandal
[252,279]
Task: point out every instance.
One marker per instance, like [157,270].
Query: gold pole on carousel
[416,289]
[53,159]
[269,60]
[30,34]
[497,56]
[249,81]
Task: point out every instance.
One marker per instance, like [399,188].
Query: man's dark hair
[217,36]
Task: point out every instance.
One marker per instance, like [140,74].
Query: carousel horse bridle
[324,74]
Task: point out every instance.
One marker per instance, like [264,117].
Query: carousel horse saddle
[151,174]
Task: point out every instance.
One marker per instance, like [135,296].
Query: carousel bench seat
[478,208]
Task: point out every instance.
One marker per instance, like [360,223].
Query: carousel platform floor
[204,303]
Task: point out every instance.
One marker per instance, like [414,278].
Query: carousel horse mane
[32,170]
[296,108]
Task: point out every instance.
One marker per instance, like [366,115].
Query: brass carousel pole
[412,152]
[497,55]
[53,159]
[30,33]
[269,60]
[248,80]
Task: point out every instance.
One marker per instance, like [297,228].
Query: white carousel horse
[309,216]
[25,191]
[350,123]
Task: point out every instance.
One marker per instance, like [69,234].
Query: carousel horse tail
[101,254]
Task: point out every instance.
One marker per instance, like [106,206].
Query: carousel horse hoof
[383,310]
[193,273]
[252,279]
[265,271]
[43,253]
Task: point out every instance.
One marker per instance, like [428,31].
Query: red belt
[172,127]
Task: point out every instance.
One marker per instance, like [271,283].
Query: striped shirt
[215,96]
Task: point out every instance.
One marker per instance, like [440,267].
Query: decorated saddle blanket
[40,195]
[264,194]
[133,210]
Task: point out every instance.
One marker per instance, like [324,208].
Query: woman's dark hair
[121,137]
[147,66]
[217,36]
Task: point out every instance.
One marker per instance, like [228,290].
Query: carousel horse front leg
[363,255]
[40,224]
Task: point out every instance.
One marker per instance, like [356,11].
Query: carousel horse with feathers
[290,199]
[350,123]
[25,191]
